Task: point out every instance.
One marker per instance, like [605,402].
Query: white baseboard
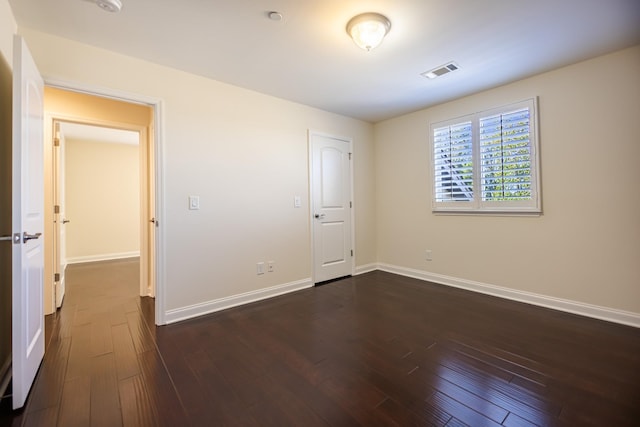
[575,307]
[365,269]
[184,313]
[102,257]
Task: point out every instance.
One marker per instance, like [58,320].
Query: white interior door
[27,222]
[147,217]
[149,196]
[60,219]
[331,206]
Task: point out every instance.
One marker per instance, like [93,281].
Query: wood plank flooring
[372,350]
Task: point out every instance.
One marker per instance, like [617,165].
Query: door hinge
[350,204]
[351,252]
[56,142]
[349,156]
[56,209]
[56,277]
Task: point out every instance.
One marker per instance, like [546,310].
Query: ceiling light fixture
[368,29]
[112,6]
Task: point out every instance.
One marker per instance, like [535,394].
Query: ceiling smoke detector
[275,16]
[441,70]
[112,6]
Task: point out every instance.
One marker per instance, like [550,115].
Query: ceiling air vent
[441,70]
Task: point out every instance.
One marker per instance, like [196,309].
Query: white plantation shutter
[505,152]
[453,162]
[488,160]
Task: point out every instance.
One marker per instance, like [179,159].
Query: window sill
[470,212]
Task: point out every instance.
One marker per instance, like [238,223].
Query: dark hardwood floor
[376,349]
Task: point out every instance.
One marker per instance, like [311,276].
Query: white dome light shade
[368,29]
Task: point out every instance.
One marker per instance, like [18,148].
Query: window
[487,161]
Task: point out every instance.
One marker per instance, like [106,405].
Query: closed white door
[331,206]
[27,223]
[60,219]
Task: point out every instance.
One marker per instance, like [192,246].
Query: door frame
[347,140]
[144,143]
[58,217]
[157,172]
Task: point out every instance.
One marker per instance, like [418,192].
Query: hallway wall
[102,200]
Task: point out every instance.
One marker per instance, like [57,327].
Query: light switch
[194,203]
[296,202]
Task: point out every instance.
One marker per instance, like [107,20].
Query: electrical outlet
[260,268]
[428,255]
[271,266]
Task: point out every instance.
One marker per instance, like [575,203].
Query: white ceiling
[307,57]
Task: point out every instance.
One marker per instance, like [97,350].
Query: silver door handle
[26,236]
[319,216]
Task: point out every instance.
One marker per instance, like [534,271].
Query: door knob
[26,236]
[64,221]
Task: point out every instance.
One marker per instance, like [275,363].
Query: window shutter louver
[505,152]
[453,162]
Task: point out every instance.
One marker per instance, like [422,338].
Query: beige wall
[7,28]
[102,200]
[245,154]
[586,245]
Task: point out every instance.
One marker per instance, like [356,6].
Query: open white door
[331,207]
[152,222]
[148,220]
[60,221]
[27,222]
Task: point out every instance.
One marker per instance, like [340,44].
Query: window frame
[476,205]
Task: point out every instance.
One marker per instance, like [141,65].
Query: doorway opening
[97,198]
[102,191]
